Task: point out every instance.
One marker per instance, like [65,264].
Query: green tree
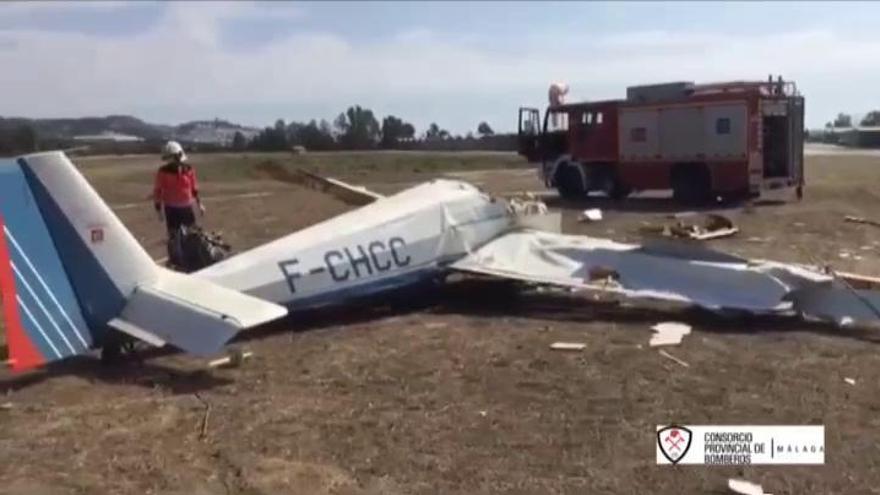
[433,132]
[408,131]
[484,130]
[358,128]
[871,119]
[271,138]
[315,136]
[393,130]
[239,142]
[843,120]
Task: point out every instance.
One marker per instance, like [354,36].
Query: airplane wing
[353,195]
[669,271]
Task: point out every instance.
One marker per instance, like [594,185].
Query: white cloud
[181,63]
[37,6]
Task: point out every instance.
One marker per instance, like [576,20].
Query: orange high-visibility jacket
[175,185]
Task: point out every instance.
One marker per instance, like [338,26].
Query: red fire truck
[702,141]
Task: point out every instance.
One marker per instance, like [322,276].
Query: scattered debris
[756,239]
[668,333]
[435,325]
[744,487]
[799,224]
[851,381]
[670,356]
[203,432]
[599,272]
[6,406]
[233,360]
[591,215]
[526,204]
[866,221]
[714,227]
[483,413]
[844,254]
[568,346]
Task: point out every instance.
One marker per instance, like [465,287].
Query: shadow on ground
[650,204]
[482,298]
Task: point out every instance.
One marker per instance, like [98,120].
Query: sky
[453,63]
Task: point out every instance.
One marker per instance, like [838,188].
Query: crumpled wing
[347,193]
[684,274]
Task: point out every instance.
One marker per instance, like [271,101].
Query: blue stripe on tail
[44,298]
[100,299]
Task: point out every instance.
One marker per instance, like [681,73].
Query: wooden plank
[859,281]
[863,220]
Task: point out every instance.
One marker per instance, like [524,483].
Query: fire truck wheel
[615,190]
[691,184]
[569,182]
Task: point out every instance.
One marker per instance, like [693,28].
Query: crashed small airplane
[71,273]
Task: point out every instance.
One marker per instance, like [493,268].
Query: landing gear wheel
[692,186]
[117,347]
[615,190]
[569,182]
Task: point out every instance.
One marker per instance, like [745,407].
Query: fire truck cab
[733,139]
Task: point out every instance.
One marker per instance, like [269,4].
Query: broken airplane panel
[671,272]
[69,269]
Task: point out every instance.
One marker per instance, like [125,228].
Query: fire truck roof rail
[768,87]
[652,93]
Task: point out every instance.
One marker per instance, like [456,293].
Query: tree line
[357,128]
[870,119]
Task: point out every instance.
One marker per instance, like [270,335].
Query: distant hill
[201,131]
[212,132]
[69,128]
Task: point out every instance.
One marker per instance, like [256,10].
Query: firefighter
[176,191]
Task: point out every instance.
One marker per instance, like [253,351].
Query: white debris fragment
[568,346]
[844,254]
[483,413]
[234,359]
[591,215]
[745,488]
[851,381]
[668,333]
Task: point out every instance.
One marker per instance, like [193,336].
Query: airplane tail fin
[69,269]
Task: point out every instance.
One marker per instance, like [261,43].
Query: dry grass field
[455,390]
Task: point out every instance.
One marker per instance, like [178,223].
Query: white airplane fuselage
[394,242]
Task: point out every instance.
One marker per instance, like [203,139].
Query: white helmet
[172,149]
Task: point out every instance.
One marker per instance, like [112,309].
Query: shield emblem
[674,442]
